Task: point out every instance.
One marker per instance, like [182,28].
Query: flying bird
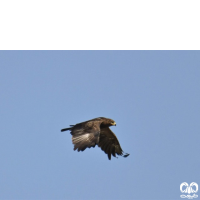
[96,132]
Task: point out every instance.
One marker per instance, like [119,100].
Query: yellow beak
[114,124]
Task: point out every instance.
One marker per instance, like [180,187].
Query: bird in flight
[96,132]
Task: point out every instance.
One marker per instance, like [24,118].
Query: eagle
[96,132]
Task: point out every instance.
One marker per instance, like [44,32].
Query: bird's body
[96,132]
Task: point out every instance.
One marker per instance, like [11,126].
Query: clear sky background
[154,97]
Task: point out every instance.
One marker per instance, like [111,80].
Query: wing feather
[109,143]
[113,151]
[105,145]
[86,134]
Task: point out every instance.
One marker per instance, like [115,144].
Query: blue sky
[154,97]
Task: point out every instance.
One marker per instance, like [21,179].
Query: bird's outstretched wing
[85,134]
[109,143]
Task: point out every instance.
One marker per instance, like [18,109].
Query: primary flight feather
[96,132]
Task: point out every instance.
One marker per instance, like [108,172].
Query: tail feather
[65,129]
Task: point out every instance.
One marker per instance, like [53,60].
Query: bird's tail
[65,129]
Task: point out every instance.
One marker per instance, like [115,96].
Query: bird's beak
[114,124]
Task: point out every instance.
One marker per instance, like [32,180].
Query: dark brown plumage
[96,132]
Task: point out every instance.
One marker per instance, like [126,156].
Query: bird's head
[107,122]
[111,122]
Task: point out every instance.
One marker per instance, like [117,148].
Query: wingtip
[126,155]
